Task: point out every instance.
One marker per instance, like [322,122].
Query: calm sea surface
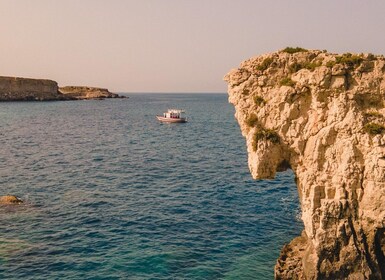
[111,193]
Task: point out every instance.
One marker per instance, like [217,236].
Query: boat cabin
[174,114]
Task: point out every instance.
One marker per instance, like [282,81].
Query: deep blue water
[111,193]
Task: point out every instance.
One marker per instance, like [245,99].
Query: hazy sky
[172,45]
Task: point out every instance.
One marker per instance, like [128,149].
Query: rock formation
[323,116]
[24,89]
[10,199]
[87,92]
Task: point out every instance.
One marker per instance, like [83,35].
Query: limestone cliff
[81,92]
[323,116]
[23,89]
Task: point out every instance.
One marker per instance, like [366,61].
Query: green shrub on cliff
[373,114]
[331,63]
[312,65]
[259,101]
[292,50]
[374,128]
[265,64]
[287,82]
[350,60]
[295,67]
[368,100]
[252,120]
[371,57]
[265,134]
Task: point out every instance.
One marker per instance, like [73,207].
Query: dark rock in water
[10,199]
[290,264]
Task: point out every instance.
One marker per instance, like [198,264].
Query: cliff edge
[323,116]
[24,89]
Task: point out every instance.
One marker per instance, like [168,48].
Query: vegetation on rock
[265,64]
[287,82]
[259,101]
[368,100]
[292,50]
[331,63]
[252,120]
[374,128]
[350,60]
[373,114]
[265,134]
[296,66]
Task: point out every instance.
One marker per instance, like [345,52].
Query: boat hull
[171,120]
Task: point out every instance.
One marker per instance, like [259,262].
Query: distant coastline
[26,89]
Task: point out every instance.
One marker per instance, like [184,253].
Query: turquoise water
[111,193]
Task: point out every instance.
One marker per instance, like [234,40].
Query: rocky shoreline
[322,115]
[82,93]
[25,89]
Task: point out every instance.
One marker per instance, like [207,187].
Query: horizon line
[170,92]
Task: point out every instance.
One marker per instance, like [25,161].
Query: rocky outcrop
[23,89]
[323,116]
[80,92]
[10,199]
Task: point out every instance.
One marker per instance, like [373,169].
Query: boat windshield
[174,113]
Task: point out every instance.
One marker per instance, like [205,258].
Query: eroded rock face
[10,199]
[80,92]
[323,116]
[23,89]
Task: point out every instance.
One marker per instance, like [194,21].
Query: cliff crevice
[322,115]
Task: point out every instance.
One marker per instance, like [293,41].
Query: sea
[112,193]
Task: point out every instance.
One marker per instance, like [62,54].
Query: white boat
[173,116]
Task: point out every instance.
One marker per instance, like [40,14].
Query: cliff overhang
[323,116]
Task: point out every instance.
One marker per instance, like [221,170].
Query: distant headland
[25,89]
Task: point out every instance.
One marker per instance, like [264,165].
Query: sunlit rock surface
[323,116]
[10,199]
[82,92]
[24,89]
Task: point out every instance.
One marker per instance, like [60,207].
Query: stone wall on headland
[323,116]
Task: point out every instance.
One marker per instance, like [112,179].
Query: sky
[173,45]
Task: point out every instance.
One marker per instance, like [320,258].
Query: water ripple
[113,194]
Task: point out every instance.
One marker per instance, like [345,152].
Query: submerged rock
[323,116]
[10,199]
